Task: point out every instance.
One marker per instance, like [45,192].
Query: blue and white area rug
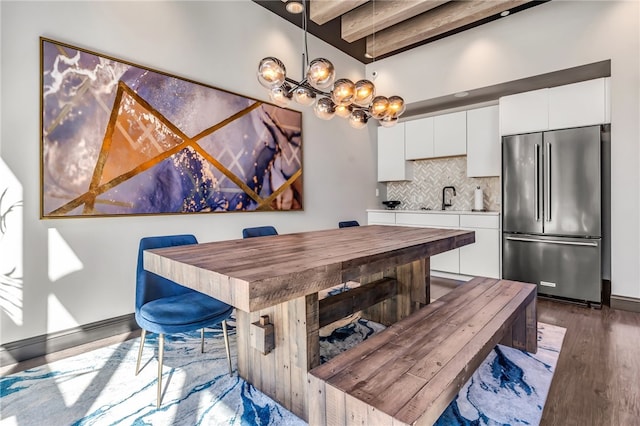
[99,387]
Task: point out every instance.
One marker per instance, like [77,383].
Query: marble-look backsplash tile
[430,176]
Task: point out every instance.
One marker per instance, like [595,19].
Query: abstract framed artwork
[122,139]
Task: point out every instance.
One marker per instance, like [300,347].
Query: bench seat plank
[426,358]
[410,372]
[418,324]
[423,406]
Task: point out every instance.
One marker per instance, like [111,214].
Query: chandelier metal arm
[305,83]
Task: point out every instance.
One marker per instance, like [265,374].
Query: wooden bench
[410,372]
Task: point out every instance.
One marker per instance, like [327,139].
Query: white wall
[216,42]
[552,36]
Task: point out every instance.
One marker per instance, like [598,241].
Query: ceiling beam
[376,16]
[323,11]
[437,21]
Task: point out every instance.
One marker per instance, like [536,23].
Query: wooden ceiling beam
[323,11]
[376,16]
[437,21]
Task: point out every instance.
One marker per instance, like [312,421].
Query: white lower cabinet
[479,259]
[483,257]
[449,261]
[381,218]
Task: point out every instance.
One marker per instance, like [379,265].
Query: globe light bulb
[396,106]
[343,92]
[281,96]
[321,74]
[343,111]
[364,93]
[358,119]
[324,109]
[271,72]
[304,96]
[379,107]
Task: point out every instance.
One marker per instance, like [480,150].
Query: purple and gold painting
[121,139]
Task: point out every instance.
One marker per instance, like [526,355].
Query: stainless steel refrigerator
[552,211]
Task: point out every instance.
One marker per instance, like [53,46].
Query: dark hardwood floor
[597,379]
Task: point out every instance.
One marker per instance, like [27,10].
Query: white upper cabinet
[483,142]
[524,112]
[392,165]
[573,105]
[578,104]
[450,134]
[419,138]
[438,136]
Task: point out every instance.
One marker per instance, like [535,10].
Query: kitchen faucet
[444,191]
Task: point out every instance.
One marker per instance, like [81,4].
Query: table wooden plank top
[256,273]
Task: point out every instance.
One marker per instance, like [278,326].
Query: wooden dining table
[280,276]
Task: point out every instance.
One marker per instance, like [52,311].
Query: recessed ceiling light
[505,13]
[461,94]
[294,6]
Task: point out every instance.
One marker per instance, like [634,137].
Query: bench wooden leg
[524,331]
[531,314]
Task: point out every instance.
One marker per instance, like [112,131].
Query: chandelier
[329,97]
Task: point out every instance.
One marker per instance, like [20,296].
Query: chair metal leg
[226,343]
[202,340]
[144,334]
[160,358]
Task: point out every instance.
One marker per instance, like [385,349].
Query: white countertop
[487,213]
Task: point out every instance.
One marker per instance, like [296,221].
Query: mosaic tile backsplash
[430,176]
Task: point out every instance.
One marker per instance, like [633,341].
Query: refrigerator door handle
[547,191]
[536,182]
[566,243]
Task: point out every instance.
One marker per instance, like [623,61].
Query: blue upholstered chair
[259,231]
[348,223]
[162,306]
